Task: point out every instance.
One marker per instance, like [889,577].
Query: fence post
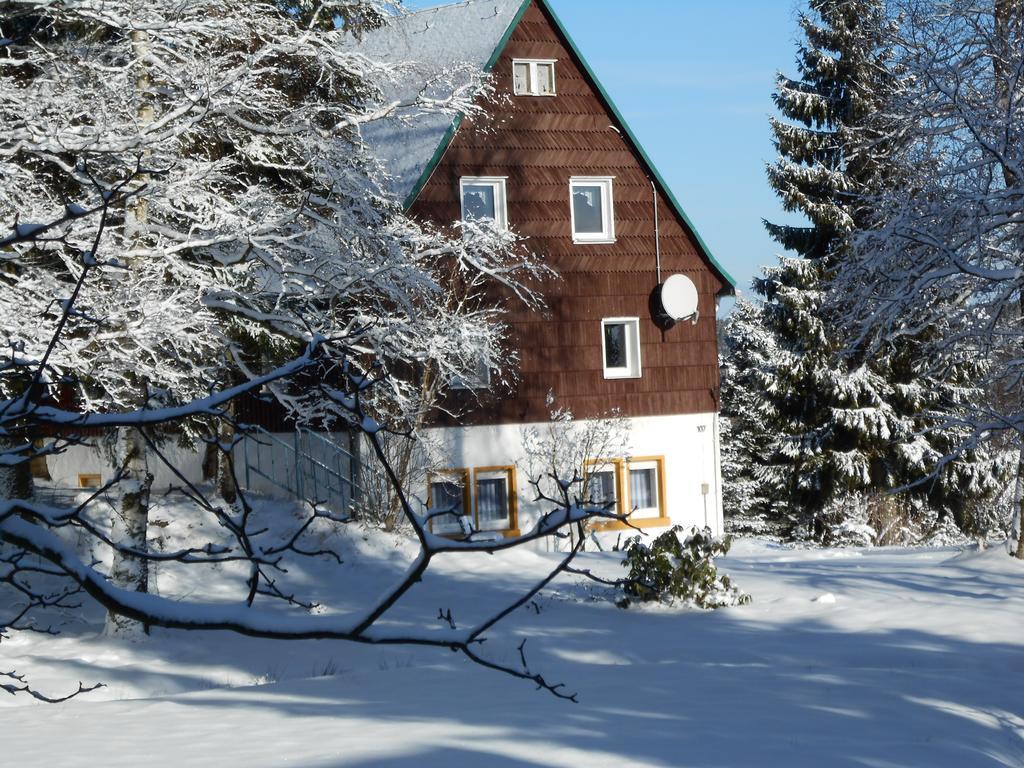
[298,471]
[245,454]
[354,466]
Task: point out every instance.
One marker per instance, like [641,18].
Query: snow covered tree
[846,421]
[840,79]
[50,553]
[260,224]
[747,348]
[941,261]
[560,451]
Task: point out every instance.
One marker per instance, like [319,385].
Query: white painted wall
[689,443]
[65,467]
[271,456]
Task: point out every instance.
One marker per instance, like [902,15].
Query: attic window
[533,77]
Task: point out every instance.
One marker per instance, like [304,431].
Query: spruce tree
[815,454]
[747,348]
[844,422]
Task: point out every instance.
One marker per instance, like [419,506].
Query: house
[554,159]
[630,325]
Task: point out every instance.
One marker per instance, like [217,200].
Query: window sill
[640,522]
[614,376]
[507,533]
[593,241]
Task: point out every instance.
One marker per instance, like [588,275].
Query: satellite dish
[674,300]
[679,297]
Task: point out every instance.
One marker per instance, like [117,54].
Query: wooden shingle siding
[539,143]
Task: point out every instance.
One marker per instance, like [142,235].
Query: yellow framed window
[602,484]
[646,487]
[448,489]
[495,499]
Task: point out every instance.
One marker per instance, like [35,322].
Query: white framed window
[592,209]
[483,198]
[645,487]
[479,379]
[533,77]
[620,347]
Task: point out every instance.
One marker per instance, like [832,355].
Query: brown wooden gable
[538,143]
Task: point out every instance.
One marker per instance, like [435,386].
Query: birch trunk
[1009,26]
[130,525]
[130,528]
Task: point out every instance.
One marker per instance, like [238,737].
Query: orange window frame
[463,475]
[513,499]
[622,499]
[90,480]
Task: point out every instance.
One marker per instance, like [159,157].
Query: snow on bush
[679,566]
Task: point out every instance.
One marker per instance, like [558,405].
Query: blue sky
[694,78]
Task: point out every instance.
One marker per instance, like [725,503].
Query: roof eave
[454,127]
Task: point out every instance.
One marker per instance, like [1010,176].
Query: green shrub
[679,566]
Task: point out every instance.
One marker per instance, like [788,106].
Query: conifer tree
[814,454]
[747,348]
[843,422]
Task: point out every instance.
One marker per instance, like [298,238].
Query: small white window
[590,202]
[479,379]
[644,488]
[620,345]
[483,198]
[533,77]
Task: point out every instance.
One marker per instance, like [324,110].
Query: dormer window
[533,77]
[483,198]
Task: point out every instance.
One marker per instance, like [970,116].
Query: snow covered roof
[449,43]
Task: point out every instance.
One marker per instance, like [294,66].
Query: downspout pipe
[657,232]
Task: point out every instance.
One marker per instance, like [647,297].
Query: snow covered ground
[882,658]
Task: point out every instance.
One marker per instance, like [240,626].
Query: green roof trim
[454,127]
[730,289]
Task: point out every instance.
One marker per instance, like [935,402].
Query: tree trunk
[130,529]
[404,460]
[130,524]
[1019,553]
[403,471]
[226,485]
[15,480]
[1009,24]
